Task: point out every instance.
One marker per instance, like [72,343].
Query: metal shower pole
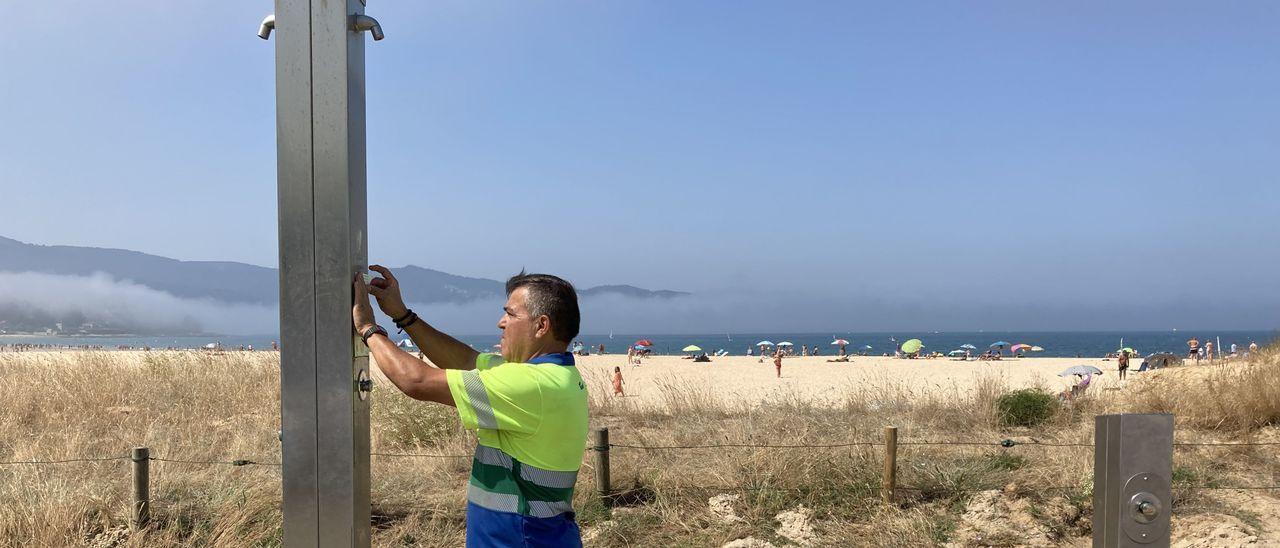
[320,139]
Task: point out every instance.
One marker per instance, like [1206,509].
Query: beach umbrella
[912,346]
[999,344]
[1080,370]
[691,348]
[968,346]
[1036,349]
[1127,350]
[765,343]
[644,342]
[959,352]
[1015,348]
[407,343]
[840,342]
[785,343]
[642,347]
[211,346]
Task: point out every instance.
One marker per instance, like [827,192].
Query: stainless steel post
[322,215]
[1132,480]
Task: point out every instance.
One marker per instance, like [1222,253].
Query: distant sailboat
[730,337]
[610,334]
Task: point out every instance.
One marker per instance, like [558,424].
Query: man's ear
[544,327]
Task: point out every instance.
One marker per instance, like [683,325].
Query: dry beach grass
[203,407]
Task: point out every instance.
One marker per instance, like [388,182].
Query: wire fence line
[421,455]
[62,461]
[1006,443]
[236,462]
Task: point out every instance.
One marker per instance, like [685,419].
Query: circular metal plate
[1147,526]
[361,379]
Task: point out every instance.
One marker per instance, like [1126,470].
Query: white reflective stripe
[479,400]
[548,509]
[500,502]
[493,456]
[548,478]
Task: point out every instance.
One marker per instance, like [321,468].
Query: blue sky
[1069,158]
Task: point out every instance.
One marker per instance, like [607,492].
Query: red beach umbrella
[644,342]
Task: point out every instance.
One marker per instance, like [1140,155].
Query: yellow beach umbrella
[691,348]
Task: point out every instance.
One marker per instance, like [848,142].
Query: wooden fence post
[890,480]
[602,466]
[141,513]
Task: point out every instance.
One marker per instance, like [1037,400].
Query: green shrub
[1027,407]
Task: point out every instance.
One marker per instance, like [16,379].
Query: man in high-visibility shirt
[528,406]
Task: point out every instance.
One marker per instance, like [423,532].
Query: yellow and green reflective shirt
[531,423]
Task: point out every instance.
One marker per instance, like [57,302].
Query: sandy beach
[744,378]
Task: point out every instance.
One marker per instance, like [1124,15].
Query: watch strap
[371,331]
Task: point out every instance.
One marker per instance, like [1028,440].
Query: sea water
[1087,344]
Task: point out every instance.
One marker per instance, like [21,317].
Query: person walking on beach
[777,362]
[527,406]
[1124,364]
[617,381]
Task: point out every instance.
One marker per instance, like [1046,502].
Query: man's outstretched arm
[444,351]
[416,379]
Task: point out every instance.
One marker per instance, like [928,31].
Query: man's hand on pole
[387,290]
[362,311]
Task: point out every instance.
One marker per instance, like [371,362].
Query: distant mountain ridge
[233,282]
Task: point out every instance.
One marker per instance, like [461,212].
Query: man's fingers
[382,270]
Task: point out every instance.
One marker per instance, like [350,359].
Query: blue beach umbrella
[999,344]
[765,343]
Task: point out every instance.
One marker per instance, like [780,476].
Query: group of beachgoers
[1197,351]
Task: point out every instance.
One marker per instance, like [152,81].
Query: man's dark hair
[553,297]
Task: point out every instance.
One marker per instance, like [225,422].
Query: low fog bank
[776,312]
[39,300]
[30,300]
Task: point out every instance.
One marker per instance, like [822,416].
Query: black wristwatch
[370,331]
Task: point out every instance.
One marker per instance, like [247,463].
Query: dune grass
[197,406]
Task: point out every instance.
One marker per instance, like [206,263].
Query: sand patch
[796,526]
[1000,518]
[749,542]
[721,506]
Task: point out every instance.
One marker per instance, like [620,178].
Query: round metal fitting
[364,385]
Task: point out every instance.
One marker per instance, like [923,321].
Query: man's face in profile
[519,328]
